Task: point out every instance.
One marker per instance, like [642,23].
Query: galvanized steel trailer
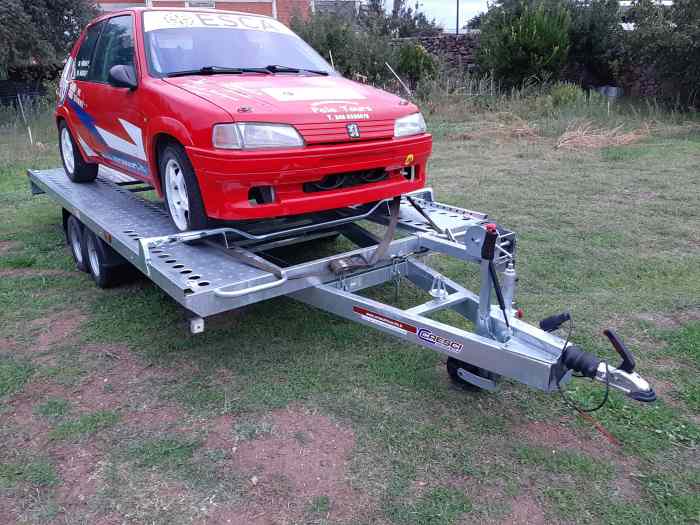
[109,224]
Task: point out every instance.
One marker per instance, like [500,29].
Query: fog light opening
[258,195]
[410,173]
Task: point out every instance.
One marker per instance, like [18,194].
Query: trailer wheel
[73,162]
[75,233]
[453,365]
[100,257]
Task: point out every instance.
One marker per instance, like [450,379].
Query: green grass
[36,473]
[53,408]
[563,461]
[440,506]
[13,376]
[609,234]
[85,425]
[170,452]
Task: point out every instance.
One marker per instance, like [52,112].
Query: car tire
[75,238]
[181,189]
[73,162]
[106,266]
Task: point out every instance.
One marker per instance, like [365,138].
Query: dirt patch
[155,417]
[56,329]
[525,511]
[674,320]
[119,382]
[558,436]
[626,485]
[305,457]
[220,435]
[6,246]
[79,469]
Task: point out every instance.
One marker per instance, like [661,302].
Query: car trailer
[108,224]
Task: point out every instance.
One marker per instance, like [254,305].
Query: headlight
[247,135]
[410,125]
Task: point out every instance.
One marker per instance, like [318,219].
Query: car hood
[321,108]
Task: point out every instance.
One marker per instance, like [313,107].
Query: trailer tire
[453,365]
[104,263]
[75,238]
[181,189]
[75,166]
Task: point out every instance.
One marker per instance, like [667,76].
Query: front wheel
[181,190]
[73,162]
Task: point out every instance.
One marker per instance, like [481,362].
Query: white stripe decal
[87,149]
[134,149]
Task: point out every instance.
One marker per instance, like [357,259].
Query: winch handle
[628,362]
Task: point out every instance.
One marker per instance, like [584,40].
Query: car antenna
[399,79]
[330,55]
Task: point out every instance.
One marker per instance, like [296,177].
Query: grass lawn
[112,413]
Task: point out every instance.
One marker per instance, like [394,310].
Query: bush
[532,42]
[566,94]
[415,63]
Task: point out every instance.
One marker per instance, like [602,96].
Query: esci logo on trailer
[438,340]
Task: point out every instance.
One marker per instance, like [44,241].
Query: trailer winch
[108,225]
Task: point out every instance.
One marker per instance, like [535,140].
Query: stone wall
[459,50]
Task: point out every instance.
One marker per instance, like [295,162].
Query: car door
[115,112]
[78,90]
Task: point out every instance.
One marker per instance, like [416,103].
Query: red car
[231,116]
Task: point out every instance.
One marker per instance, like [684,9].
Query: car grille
[334,132]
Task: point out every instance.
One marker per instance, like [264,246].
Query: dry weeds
[585,136]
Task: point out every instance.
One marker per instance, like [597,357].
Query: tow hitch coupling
[622,377]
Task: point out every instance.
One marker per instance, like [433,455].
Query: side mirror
[122,76]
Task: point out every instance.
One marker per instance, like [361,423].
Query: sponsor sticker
[438,340]
[308,94]
[383,320]
[155,20]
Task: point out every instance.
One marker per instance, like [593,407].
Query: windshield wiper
[216,70]
[274,68]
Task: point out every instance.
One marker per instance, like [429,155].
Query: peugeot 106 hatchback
[231,117]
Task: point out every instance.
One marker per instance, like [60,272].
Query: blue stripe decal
[127,161]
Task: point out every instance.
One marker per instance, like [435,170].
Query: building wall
[285,8]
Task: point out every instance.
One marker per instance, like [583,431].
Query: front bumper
[226,177]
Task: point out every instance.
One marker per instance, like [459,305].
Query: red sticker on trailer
[380,319]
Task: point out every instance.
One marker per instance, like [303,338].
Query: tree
[403,21]
[669,40]
[596,37]
[526,42]
[40,31]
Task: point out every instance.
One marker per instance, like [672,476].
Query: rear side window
[84,57]
[115,47]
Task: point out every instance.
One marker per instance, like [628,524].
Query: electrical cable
[570,402]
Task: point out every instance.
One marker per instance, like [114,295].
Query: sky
[445,11]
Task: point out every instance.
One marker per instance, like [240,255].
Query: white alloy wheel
[67,150]
[176,195]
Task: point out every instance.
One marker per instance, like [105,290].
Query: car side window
[84,57]
[115,47]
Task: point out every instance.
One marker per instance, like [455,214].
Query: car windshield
[205,42]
